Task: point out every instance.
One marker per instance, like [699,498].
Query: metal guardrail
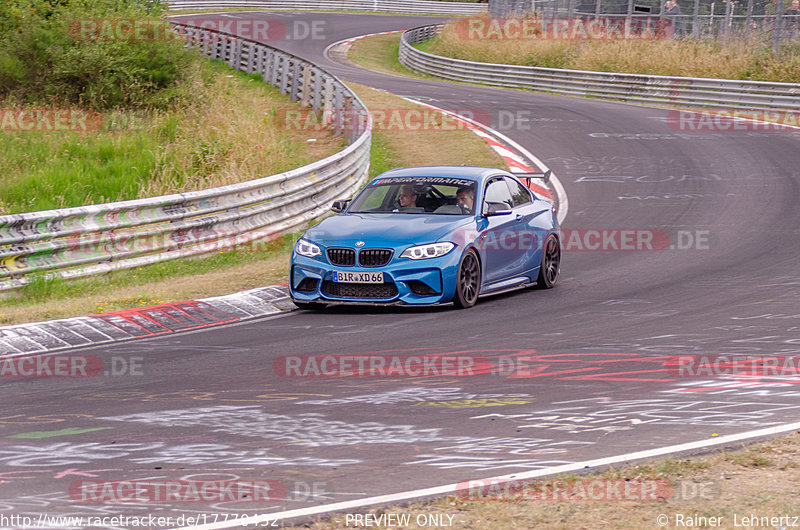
[82,241]
[684,92]
[426,7]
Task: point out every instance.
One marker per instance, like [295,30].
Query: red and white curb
[142,322]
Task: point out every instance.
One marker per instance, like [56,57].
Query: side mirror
[340,205]
[495,208]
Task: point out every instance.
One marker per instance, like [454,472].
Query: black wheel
[468,282]
[309,306]
[551,263]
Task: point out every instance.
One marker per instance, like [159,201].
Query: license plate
[357,277]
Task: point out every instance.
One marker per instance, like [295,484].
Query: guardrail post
[305,95]
[317,100]
[266,66]
[251,57]
[206,44]
[259,65]
[236,53]
[296,84]
[337,105]
[213,46]
[349,120]
[275,73]
[329,102]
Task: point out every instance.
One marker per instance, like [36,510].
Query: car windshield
[417,195]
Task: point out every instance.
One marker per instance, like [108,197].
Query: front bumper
[406,281]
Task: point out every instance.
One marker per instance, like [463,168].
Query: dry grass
[231,136]
[235,137]
[378,53]
[431,146]
[757,480]
[738,59]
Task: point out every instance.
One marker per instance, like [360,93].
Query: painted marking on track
[452,488]
[61,432]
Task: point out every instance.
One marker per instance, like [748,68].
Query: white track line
[461,486]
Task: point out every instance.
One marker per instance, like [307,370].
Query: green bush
[45,61]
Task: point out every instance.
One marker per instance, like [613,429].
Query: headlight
[433,250]
[307,249]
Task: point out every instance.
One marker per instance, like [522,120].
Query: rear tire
[551,263]
[468,281]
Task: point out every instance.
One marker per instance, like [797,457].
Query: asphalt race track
[587,370]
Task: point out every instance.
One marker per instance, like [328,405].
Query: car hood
[385,229]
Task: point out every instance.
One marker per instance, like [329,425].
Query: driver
[407,197]
[465,197]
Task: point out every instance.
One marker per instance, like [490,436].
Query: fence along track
[87,240]
[426,7]
[684,92]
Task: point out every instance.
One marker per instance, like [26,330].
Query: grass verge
[739,58]
[223,140]
[379,53]
[233,271]
[751,481]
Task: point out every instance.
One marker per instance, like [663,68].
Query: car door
[532,229]
[499,234]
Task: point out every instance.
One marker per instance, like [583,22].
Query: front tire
[468,281]
[551,263]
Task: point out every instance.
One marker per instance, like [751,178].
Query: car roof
[472,172]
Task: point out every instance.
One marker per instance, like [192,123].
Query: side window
[519,193]
[497,196]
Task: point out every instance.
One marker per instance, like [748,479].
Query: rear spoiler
[528,176]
